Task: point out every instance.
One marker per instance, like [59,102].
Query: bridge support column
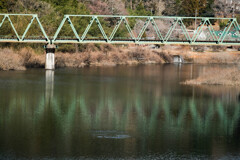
[50,57]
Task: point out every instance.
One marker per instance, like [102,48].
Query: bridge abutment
[50,57]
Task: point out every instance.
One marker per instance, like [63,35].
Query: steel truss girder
[22,38]
[134,38]
[176,21]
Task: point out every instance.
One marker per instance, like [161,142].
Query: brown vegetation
[112,55]
[204,54]
[217,76]
[107,55]
[20,60]
[103,55]
[10,60]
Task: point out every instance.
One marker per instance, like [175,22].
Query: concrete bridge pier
[50,57]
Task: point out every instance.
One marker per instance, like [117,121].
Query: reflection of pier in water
[49,85]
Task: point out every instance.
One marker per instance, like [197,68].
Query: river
[125,112]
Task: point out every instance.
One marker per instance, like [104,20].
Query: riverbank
[110,55]
[217,76]
[106,55]
[205,54]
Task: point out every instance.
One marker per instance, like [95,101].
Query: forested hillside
[139,7]
[52,11]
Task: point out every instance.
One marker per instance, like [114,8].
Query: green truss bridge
[116,29]
[136,29]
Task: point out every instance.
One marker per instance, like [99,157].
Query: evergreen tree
[3,6]
[193,7]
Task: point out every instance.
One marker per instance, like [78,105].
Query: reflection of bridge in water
[109,112]
[74,111]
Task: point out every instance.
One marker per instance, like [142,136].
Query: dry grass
[109,55]
[10,60]
[20,60]
[103,55]
[30,59]
[217,76]
[212,55]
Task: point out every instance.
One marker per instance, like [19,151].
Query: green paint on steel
[216,37]
[22,38]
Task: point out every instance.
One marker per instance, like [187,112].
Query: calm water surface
[123,112]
